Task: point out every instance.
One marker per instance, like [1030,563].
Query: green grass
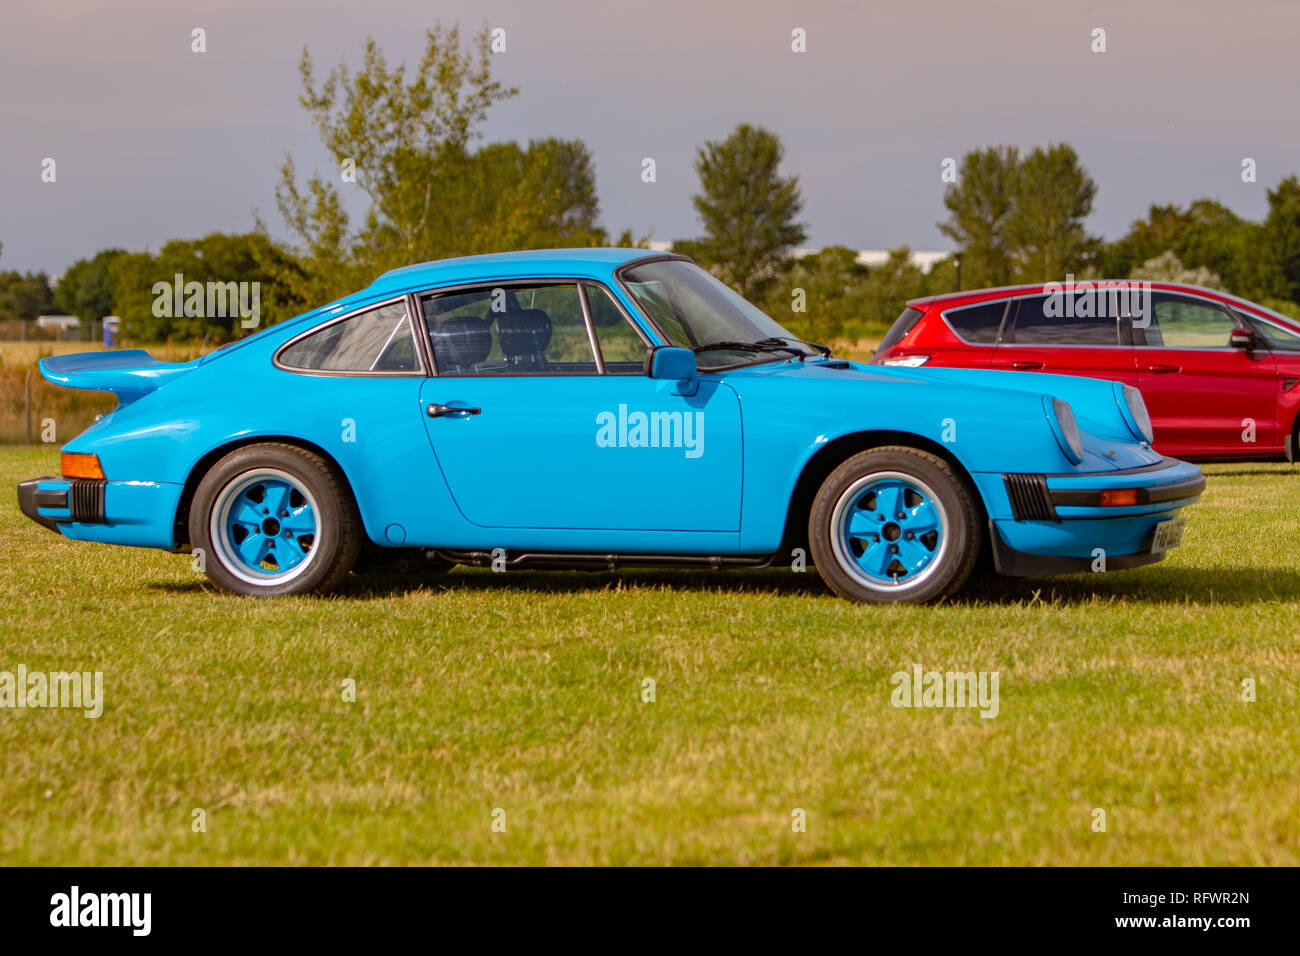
[522,691]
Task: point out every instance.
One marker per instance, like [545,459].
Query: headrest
[525,333]
[462,340]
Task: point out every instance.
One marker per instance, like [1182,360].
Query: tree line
[408,141]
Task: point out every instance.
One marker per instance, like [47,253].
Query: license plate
[1169,534]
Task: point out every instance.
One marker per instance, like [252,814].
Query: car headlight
[1061,417]
[911,361]
[1133,408]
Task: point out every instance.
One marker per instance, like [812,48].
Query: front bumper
[139,513]
[1056,524]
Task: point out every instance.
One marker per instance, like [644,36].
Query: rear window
[978,323]
[902,325]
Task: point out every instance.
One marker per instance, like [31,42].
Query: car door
[541,416]
[1069,333]
[1205,397]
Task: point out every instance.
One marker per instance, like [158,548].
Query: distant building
[923,260]
[59,322]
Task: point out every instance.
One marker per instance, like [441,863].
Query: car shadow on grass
[1152,585]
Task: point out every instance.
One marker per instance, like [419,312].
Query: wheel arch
[834,453]
[181,523]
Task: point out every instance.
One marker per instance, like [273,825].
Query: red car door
[1046,334]
[1206,398]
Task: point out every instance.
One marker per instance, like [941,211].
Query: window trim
[528,281]
[420,372]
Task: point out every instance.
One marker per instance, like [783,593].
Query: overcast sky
[154,142]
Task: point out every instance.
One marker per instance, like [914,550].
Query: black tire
[942,560]
[324,557]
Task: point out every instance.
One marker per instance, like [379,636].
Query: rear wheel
[894,524]
[275,519]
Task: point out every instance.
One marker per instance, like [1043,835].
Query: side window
[1065,319]
[978,323]
[378,340]
[621,348]
[1179,322]
[510,330]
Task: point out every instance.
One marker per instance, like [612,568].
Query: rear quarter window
[978,323]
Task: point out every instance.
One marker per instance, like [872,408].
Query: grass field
[523,691]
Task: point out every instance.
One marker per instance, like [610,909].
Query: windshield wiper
[822,349]
[767,345]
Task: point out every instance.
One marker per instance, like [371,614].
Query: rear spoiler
[127,373]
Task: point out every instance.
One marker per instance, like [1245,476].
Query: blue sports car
[600,408]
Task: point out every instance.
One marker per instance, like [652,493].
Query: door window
[1180,322]
[621,347]
[510,330]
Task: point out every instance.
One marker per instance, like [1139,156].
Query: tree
[217,258]
[1167,267]
[820,295]
[1020,219]
[25,295]
[978,205]
[748,209]
[1052,196]
[1281,238]
[405,142]
[87,288]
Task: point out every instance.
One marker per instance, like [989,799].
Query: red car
[1218,373]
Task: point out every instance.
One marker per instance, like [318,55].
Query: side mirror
[1241,339]
[667,363]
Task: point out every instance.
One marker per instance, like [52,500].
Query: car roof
[946,300]
[594,262]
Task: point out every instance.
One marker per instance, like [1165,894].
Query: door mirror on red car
[1241,339]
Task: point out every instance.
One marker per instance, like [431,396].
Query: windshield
[696,311]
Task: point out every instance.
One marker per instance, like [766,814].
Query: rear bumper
[139,513]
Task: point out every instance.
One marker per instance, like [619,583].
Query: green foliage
[844,299]
[1020,219]
[820,295]
[25,295]
[216,258]
[429,194]
[748,209]
[1044,229]
[978,205]
[87,288]
[1281,238]
[1167,267]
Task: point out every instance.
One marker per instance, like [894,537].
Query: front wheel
[894,524]
[275,519]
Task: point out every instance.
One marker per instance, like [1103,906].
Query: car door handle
[438,411]
[1025,364]
[1164,369]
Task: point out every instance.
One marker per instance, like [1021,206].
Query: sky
[152,141]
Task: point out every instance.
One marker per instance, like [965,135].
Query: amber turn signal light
[77,465]
[1119,497]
